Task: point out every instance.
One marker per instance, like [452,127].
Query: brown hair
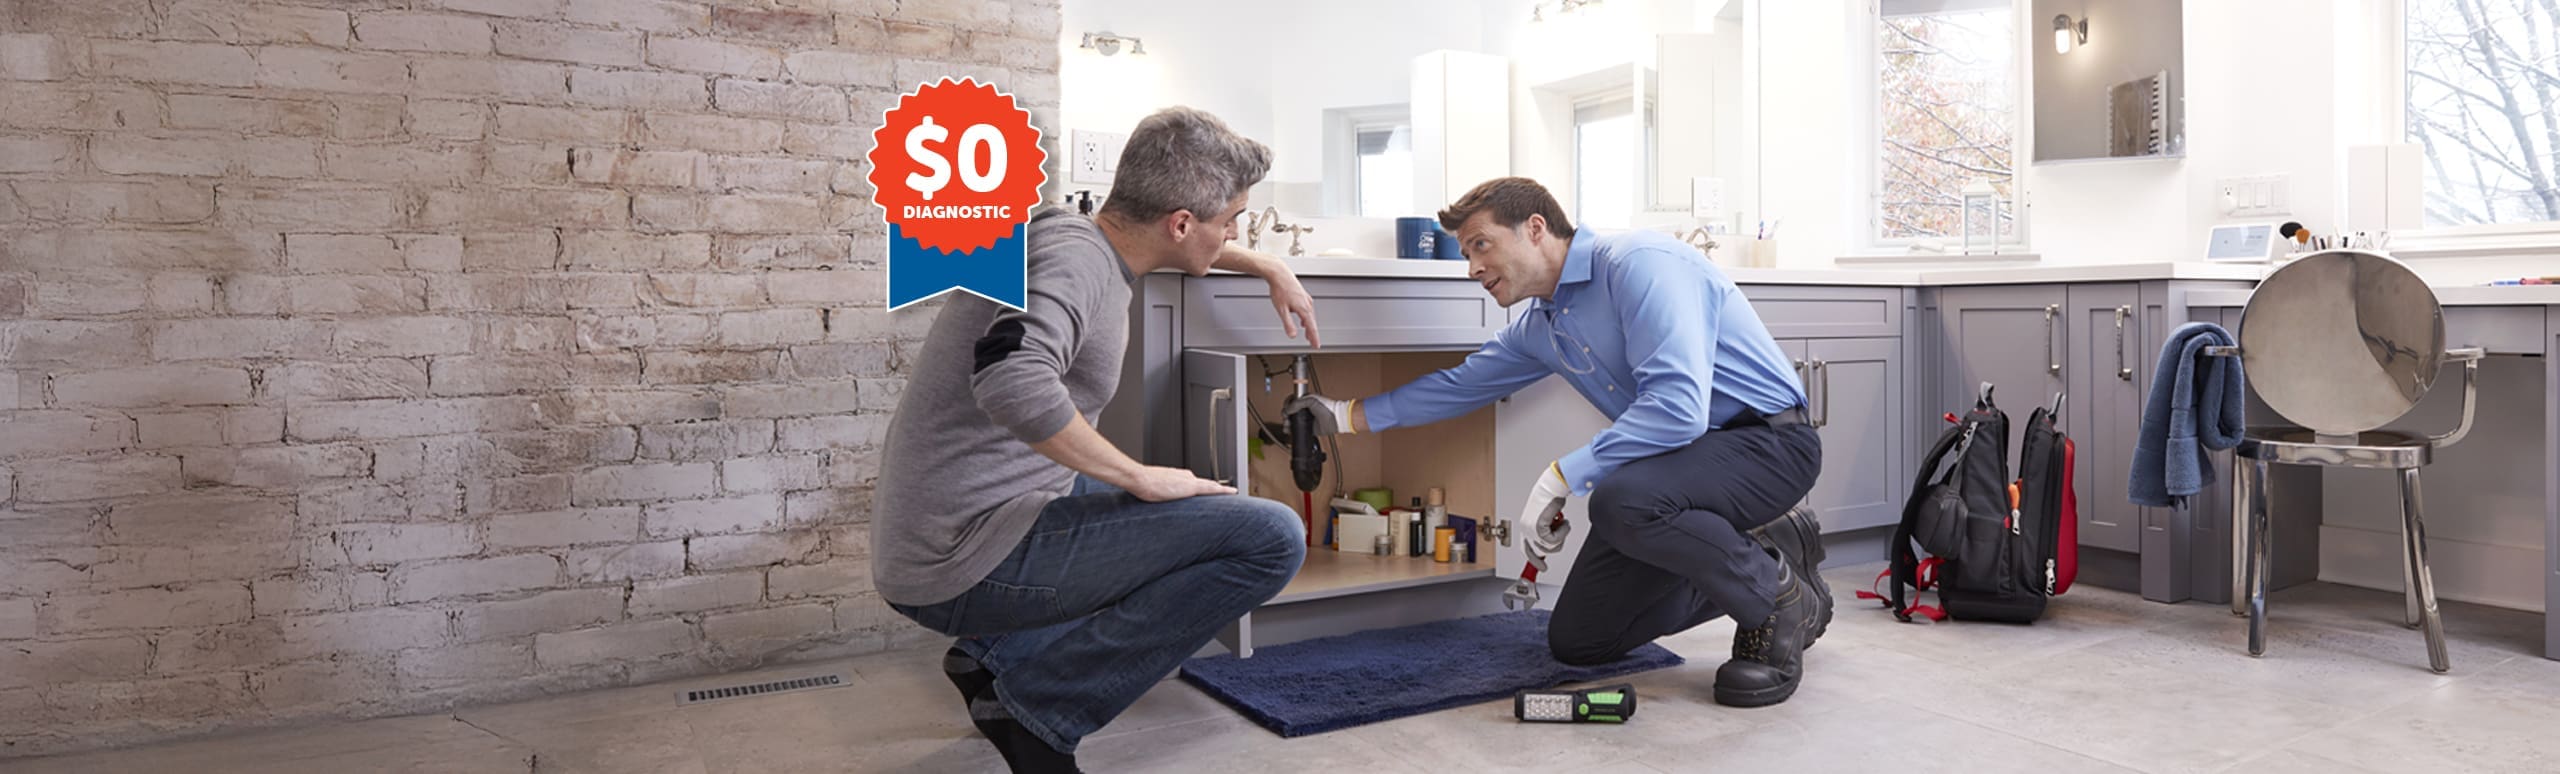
[1511,200]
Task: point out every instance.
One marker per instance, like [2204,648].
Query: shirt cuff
[1379,410]
[1581,471]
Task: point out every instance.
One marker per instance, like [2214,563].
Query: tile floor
[2106,683]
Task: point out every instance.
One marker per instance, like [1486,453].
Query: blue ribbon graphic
[917,273]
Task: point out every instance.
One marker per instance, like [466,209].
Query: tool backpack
[1997,547]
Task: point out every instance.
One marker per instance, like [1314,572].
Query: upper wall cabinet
[2110,79]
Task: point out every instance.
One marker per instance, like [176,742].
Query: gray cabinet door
[2012,336]
[1859,402]
[2107,383]
[1213,440]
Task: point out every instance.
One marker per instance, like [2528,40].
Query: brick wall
[367,357]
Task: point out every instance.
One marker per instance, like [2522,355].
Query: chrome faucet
[1270,217]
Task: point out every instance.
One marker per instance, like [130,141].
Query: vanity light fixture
[2065,33]
[1538,10]
[1106,43]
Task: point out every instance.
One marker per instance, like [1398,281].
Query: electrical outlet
[1094,155]
[2253,196]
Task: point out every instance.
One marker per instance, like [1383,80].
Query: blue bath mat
[1320,685]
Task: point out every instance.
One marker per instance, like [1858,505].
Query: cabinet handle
[2123,371]
[1215,471]
[1823,420]
[2052,365]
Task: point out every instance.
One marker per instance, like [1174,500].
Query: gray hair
[1183,159]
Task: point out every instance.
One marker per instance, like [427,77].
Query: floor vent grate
[700,695]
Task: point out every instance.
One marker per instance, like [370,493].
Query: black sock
[966,673]
[1024,751]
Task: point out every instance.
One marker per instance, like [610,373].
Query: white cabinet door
[1532,428]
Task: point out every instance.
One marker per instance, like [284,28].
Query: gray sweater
[959,483]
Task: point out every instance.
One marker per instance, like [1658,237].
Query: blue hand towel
[2197,404]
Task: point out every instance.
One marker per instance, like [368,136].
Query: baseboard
[2481,573]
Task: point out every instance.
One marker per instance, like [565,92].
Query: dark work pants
[1669,547]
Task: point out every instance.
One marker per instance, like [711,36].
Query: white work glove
[1540,516]
[1332,416]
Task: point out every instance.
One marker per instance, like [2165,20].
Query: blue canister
[1447,247]
[1417,237]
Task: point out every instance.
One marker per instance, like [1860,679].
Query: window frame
[2385,121]
[1602,106]
[1870,164]
[1343,127]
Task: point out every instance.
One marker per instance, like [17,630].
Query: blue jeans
[1109,593]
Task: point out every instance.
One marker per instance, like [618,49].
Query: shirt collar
[1577,265]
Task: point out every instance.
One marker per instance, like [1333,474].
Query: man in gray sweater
[1074,576]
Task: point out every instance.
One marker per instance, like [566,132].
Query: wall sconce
[1538,10]
[1106,44]
[2065,32]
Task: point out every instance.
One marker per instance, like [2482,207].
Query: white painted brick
[40,664]
[312,688]
[826,361]
[640,406]
[401,164]
[454,665]
[373,378]
[375,630]
[706,440]
[466,577]
[154,202]
[866,612]
[58,480]
[431,32]
[609,564]
[521,9]
[150,386]
[523,334]
[312,208]
[346,295]
[528,164]
[637,640]
[831,579]
[535,251]
[845,141]
[696,593]
[783,24]
[646,483]
[638,89]
[496,375]
[232,22]
[403,336]
[179,294]
[105,704]
[32,57]
[364,118]
[451,120]
[780,100]
[277,467]
[599,332]
[338,421]
[38,154]
[51,106]
[860,431]
[216,649]
[514,80]
[550,529]
[17,620]
[562,124]
[615,369]
[238,339]
[841,68]
[549,611]
[695,367]
[200,64]
[706,55]
[50,433]
[258,157]
[541,492]
[733,173]
[626,251]
[783,251]
[650,15]
[250,115]
[773,474]
[73,342]
[754,632]
[564,43]
[376,545]
[711,517]
[847,469]
[789,400]
[86,295]
[728,290]
[772,327]
[517,208]
[729,552]
[831,287]
[284,67]
[424,499]
[677,131]
[827,505]
[206,604]
[320,591]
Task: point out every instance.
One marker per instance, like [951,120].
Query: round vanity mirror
[2342,341]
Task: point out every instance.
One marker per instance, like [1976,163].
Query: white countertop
[2454,295]
[1892,277]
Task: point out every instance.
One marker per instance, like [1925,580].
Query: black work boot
[1768,660]
[1796,539]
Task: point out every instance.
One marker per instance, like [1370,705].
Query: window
[1946,115]
[1384,167]
[1605,164]
[2482,103]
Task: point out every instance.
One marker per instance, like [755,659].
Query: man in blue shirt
[1691,486]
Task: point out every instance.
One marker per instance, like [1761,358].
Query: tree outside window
[1946,115]
[2484,108]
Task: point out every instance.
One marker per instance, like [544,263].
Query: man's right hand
[1332,416]
[1160,484]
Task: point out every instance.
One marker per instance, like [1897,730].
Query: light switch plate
[1095,156]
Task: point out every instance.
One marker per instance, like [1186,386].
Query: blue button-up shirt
[1646,329]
